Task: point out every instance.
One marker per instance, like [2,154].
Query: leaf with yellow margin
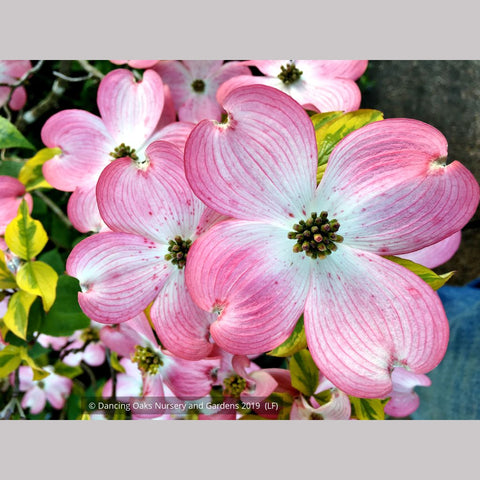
[31,174]
[428,276]
[16,316]
[39,278]
[7,279]
[25,236]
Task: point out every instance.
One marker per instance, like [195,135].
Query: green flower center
[89,335]
[198,85]
[124,151]
[234,385]
[316,236]
[147,360]
[289,73]
[178,249]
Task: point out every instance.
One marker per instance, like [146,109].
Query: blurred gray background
[445,94]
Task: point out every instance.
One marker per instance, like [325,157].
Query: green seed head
[289,73]
[316,236]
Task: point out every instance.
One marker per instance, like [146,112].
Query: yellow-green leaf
[10,360]
[7,279]
[116,365]
[304,372]
[294,343]
[31,174]
[16,316]
[321,119]
[25,236]
[331,127]
[38,372]
[11,137]
[428,276]
[65,370]
[368,408]
[39,278]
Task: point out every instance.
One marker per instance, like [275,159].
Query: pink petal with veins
[365,315]
[436,254]
[82,210]
[131,109]
[404,401]
[352,69]
[187,379]
[12,192]
[147,201]
[182,327]
[388,188]
[120,274]
[85,145]
[244,168]
[247,272]
[176,133]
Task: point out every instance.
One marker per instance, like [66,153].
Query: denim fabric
[455,390]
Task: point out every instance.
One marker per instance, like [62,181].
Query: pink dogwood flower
[194,84]
[84,346]
[132,115]
[53,388]
[12,192]
[403,399]
[437,254]
[141,64]
[318,85]
[185,378]
[242,378]
[10,72]
[154,217]
[292,247]
[337,408]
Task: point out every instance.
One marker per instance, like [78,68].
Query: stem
[50,101]
[57,210]
[113,374]
[91,69]
[21,80]
[90,373]
[14,403]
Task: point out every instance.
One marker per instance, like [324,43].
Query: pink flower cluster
[199,183]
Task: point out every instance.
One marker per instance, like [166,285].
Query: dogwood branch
[58,89]
[91,69]
[55,208]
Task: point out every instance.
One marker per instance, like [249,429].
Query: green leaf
[305,374]
[10,360]
[10,137]
[428,276]
[7,279]
[38,373]
[368,408]
[331,127]
[321,119]
[284,402]
[10,168]
[116,365]
[25,236]
[54,259]
[16,317]
[295,342]
[65,370]
[31,174]
[65,316]
[40,279]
